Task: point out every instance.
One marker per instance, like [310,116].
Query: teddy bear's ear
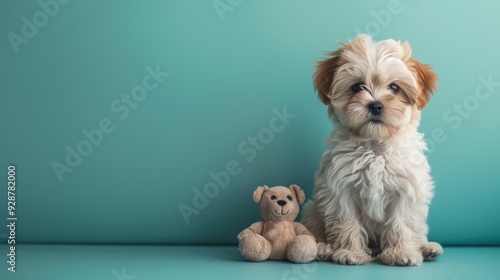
[257,194]
[298,193]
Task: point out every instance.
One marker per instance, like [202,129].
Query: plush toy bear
[278,237]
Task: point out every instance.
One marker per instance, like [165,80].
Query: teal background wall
[229,72]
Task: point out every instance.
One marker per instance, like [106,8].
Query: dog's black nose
[281,202]
[375,108]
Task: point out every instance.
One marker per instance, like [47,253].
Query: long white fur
[373,190]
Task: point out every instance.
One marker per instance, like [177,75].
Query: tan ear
[301,197]
[257,194]
[323,77]
[426,80]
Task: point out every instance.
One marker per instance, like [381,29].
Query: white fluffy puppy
[373,188]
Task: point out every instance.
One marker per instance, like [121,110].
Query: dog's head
[279,203]
[374,89]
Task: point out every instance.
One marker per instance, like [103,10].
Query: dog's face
[279,203]
[375,89]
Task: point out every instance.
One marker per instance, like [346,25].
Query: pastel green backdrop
[236,69]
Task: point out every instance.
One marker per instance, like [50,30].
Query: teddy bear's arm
[255,228]
[301,229]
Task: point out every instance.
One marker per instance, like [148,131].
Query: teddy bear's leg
[302,249]
[255,247]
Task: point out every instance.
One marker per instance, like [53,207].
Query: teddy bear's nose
[281,202]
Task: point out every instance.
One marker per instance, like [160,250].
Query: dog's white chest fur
[375,174]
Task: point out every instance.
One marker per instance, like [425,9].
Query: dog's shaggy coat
[373,188]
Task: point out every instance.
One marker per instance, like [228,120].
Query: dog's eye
[273,197]
[394,87]
[289,198]
[357,87]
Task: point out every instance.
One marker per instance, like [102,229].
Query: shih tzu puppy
[373,189]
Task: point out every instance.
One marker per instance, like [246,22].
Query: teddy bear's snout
[281,202]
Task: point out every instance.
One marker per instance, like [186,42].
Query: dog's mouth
[375,120]
[282,212]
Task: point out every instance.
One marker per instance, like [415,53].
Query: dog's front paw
[404,257]
[344,256]
[431,250]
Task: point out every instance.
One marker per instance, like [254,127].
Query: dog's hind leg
[313,221]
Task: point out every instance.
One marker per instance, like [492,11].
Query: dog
[373,189]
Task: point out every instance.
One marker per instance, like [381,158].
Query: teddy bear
[278,237]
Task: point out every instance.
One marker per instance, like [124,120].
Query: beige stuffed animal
[278,237]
